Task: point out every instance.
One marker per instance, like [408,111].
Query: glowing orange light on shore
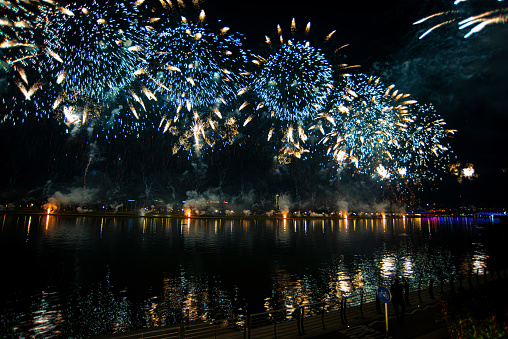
[50,207]
[284,215]
[188,213]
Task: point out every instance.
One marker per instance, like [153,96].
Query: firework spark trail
[17,34]
[477,21]
[20,49]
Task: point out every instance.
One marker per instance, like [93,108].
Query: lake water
[66,276]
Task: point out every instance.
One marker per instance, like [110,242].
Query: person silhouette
[406,291]
[396,291]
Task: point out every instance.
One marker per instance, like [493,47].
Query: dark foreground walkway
[419,322]
[422,320]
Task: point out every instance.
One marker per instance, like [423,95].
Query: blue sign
[384,294]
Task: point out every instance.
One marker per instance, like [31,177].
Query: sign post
[385,296]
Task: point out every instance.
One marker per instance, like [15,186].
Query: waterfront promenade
[422,319]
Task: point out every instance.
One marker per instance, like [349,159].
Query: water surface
[80,276]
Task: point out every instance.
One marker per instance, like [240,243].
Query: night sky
[465,79]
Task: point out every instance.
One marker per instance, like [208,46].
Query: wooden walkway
[263,325]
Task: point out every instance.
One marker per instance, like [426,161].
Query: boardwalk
[353,322]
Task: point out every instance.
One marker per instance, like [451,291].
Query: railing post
[245,327]
[276,316]
[299,319]
[248,326]
[361,303]
[345,308]
[431,288]
[302,317]
[342,311]
[275,325]
[323,315]
[181,332]
[419,289]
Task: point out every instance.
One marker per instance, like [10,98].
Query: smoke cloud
[78,196]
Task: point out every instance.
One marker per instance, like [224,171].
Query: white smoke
[285,204]
[342,206]
[76,196]
[116,206]
[201,201]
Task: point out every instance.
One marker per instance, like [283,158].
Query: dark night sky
[465,79]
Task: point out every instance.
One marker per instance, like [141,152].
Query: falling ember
[270,133]
[243,105]
[474,23]
[133,110]
[248,120]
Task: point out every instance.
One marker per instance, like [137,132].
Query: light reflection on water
[83,276]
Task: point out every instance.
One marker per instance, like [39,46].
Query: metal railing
[300,319]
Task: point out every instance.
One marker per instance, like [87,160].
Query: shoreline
[239,216]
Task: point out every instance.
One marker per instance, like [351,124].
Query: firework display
[484,16]
[82,56]
[98,54]
[368,121]
[19,52]
[292,87]
[424,151]
[295,81]
[462,171]
[382,132]
[18,34]
[196,74]
[118,70]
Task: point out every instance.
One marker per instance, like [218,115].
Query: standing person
[396,291]
[378,304]
[406,291]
